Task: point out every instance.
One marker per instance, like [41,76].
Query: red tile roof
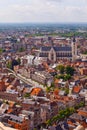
[76,89]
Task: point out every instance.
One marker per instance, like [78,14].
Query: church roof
[64,48]
[46,48]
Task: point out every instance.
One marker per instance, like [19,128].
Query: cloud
[43,11]
[54,0]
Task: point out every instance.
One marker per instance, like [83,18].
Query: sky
[43,11]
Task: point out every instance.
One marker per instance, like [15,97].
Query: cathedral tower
[74,49]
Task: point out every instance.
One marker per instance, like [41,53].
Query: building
[54,53]
[42,77]
[3,127]
[31,60]
[83,71]
[19,122]
[8,96]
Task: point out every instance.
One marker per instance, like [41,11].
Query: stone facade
[54,53]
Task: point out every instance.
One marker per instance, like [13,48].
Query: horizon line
[43,22]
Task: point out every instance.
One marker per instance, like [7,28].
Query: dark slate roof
[43,55]
[64,48]
[66,126]
[59,127]
[62,125]
[45,48]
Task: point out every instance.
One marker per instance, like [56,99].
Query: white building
[32,60]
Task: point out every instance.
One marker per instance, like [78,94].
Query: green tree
[81,104]
[70,70]
[72,110]
[67,77]
[64,77]
[52,86]
[21,49]
[61,68]
[85,52]
[67,90]
[27,95]
[48,89]
[1,50]
[19,61]
[59,76]
[9,64]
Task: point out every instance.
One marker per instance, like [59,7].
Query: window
[52,56]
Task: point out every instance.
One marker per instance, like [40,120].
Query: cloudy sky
[43,11]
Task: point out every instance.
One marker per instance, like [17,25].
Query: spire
[74,40]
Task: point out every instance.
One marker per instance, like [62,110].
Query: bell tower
[74,49]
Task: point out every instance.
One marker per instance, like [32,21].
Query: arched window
[52,56]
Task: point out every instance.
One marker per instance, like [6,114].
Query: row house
[19,122]
[79,118]
[8,96]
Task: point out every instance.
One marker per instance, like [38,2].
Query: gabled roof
[36,91]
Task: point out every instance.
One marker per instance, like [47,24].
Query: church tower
[74,49]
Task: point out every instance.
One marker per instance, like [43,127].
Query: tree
[48,89]
[72,110]
[67,90]
[9,64]
[52,85]
[85,52]
[81,104]
[61,115]
[70,70]
[21,49]
[27,95]
[67,77]
[1,50]
[61,68]
[19,61]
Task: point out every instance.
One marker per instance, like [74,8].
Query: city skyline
[43,11]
